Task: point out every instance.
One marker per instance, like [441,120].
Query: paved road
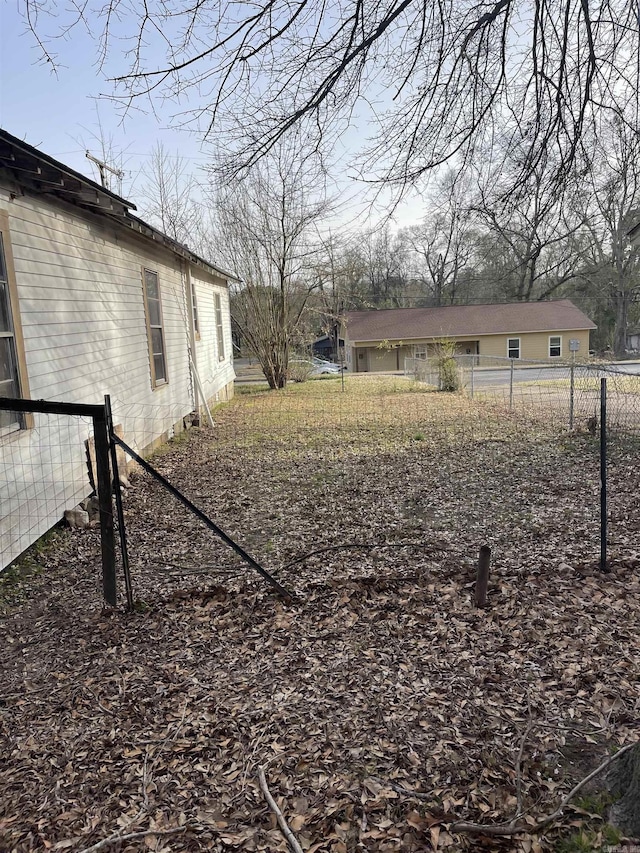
[484,376]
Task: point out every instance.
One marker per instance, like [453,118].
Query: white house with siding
[93,301]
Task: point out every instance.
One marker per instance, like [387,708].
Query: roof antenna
[103,169]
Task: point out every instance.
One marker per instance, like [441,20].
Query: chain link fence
[565,393]
[374,462]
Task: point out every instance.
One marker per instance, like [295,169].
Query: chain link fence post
[603,475]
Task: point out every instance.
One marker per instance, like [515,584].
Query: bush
[449,376]
[299,370]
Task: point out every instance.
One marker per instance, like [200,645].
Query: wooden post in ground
[107,533]
[482,578]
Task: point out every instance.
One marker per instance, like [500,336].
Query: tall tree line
[478,241]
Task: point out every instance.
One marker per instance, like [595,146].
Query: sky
[63,114]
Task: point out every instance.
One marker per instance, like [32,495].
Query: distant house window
[219,326]
[194,307]
[513,347]
[555,346]
[155,329]
[10,338]
[420,352]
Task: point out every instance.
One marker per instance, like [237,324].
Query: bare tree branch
[444,76]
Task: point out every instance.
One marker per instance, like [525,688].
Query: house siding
[80,297]
[216,375]
[533,345]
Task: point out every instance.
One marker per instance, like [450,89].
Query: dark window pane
[157,344]
[8,388]
[5,314]
[7,362]
[154,312]
[194,302]
[3,266]
[8,419]
[160,371]
[151,282]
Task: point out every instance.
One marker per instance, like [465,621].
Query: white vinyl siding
[81,297]
[213,372]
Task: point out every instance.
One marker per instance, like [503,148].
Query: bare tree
[444,75]
[341,284]
[267,224]
[168,194]
[530,243]
[442,242]
[385,268]
[611,201]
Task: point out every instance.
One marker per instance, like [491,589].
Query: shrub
[299,370]
[449,377]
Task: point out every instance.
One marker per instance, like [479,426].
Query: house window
[555,346]
[194,308]
[11,350]
[420,352]
[155,329]
[219,326]
[513,347]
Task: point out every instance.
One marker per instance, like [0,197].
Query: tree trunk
[624,783]
[620,333]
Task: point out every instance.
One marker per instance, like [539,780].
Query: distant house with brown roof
[381,340]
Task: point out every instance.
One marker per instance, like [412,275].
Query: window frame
[26,420]
[555,346]
[155,382]
[195,316]
[219,324]
[510,348]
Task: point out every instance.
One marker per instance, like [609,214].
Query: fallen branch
[363,546]
[293,842]
[116,838]
[515,828]
[527,731]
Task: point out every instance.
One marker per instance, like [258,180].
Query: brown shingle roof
[455,321]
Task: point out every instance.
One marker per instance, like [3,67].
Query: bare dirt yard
[384,707]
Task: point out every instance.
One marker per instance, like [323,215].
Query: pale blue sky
[60,113]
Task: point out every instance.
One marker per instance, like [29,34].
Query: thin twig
[514,828]
[99,703]
[364,546]
[116,838]
[527,732]
[400,789]
[293,843]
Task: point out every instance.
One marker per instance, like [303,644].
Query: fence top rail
[50,407]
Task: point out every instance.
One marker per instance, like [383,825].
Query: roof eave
[408,339]
[34,169]
[142,227]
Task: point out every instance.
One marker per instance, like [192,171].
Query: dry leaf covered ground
[382,704]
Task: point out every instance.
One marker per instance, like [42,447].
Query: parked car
[321,366]
[301,369]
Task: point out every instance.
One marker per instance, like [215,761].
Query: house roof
[32,168]
[458,321]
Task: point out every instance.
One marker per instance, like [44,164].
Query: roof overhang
[36,171]
[469,335]
[43,174]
